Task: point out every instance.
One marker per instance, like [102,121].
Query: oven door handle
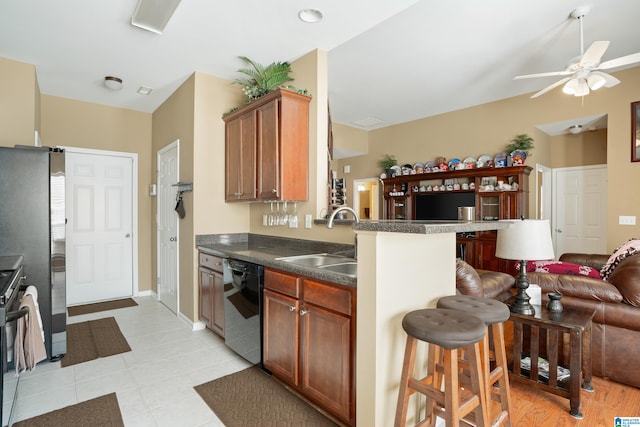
[15,315]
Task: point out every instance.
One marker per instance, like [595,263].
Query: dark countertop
[265,250]
[428,227]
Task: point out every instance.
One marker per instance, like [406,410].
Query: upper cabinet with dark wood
[267,149]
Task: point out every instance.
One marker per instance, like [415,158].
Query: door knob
[127,235]
[173,239]
[558,230]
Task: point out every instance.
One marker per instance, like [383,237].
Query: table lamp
[523,240]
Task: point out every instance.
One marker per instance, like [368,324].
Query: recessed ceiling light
[113,83]
[310,16]
[144,90]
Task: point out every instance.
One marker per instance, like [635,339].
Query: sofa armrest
[494,283]
[596,261]
[576,286]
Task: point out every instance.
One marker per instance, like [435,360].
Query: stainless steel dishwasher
[243,310]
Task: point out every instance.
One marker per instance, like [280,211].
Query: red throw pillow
[560,267]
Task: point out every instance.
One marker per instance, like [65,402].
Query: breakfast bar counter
[402,266]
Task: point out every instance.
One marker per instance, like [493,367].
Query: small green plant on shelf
[522,142]
[388,161]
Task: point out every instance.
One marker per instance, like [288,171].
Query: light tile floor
[154,382]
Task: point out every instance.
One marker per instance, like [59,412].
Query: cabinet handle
[292,308]
[274,191]
[303,312]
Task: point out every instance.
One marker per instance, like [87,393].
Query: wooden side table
[577,324]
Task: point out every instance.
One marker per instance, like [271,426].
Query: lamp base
[522,304]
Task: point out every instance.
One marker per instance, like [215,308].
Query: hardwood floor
[535,408]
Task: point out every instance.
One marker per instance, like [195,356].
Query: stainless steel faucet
[355,216]
[341,208]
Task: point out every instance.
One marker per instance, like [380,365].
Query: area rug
[95,338]
[101,306]
[251,398]
[102,411]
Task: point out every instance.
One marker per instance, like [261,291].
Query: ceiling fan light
[571,87]
[583,88]
[596,81]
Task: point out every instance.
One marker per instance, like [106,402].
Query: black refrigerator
[32,224]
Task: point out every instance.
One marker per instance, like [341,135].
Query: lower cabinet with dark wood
[309,339]
[211,292]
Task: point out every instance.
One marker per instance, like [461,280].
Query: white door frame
[175,144]
[134,201]
[546,197]
[375,196]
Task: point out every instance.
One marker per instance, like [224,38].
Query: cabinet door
[240,158]
[511,205]
[269,152]
[325,353]
[206,295]
[217,292]
[281,329]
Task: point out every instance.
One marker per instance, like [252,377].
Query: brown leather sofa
[616,324]
[483,283]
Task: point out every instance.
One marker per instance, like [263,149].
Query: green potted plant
[261,80]
[388,161]
[522,142]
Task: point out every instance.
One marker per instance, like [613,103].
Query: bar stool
[493,313]
[446,331]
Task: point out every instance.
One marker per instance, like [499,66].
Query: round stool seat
[450,329]
[486,309]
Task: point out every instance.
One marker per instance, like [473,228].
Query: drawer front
[211,261]
[282,282]
[328,296]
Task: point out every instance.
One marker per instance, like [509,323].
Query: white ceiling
[389,61]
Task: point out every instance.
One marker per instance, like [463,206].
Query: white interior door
[167,225]
[580,210]
[99,214]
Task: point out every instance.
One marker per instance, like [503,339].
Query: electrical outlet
[307,221]
[627,220]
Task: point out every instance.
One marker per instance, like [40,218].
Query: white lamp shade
[596,81]
[528,240]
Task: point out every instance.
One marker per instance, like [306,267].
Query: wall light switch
[627,220]
[346,169]
[307,221]
[153,190]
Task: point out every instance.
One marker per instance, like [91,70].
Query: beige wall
[584,149]
[72,123]
[19,103]
[488,129]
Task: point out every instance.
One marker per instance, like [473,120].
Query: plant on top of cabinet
[387,162]
[262,80]
[522,142]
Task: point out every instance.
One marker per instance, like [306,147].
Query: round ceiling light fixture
[113,83]
[575,129]
[310,16]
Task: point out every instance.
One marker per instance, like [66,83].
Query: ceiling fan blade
[593,55]
[619,62]
[553,86]
[552,73]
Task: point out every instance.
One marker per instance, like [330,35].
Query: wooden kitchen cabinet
[211,292]
[240,157]
[309,339]
[267,149]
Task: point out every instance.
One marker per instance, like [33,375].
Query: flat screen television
[441,206]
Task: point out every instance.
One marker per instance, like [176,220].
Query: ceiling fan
[585,71]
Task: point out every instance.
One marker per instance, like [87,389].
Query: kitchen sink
[349,268]
[315,260]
